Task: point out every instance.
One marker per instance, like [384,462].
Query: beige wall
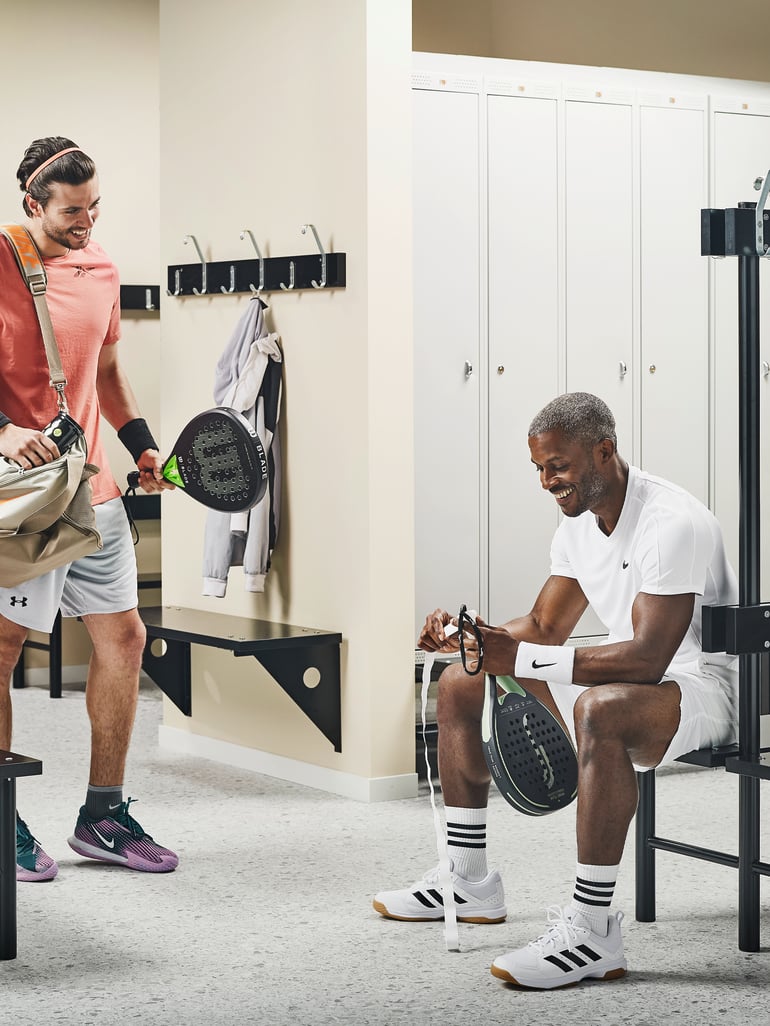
[273,115]
[69,73]
[693,37]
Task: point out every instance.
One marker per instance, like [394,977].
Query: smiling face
[66,220]
[571,472]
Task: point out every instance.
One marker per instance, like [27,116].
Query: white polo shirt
[666,542]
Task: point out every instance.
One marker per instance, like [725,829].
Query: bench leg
[7,869]
[55,659]
[645,853]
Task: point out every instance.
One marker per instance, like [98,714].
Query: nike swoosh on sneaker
[103,839]
[625,565]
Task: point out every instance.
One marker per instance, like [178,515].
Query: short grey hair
[578,415]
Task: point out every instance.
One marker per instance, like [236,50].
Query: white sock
[594,888]
[466,831]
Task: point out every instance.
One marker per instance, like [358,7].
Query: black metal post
[7,868]
[749,594]
[645,853]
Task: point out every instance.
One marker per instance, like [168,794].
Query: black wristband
[4,420]
[137,437]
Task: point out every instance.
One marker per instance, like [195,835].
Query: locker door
[599,256]
[674,299]
[741,154]
[523,340]
[446,333]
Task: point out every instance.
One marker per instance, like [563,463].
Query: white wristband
[545,662]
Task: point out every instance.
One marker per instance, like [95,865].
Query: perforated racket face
[528,753]
[219,460]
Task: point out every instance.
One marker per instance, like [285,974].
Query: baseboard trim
[348,785]
[37,676]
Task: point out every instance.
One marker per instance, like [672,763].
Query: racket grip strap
[133,479]
[137,437]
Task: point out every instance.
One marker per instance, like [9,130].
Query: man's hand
[433,637]
[151,477]
[500,648]
[26,446]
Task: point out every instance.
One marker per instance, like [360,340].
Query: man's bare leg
[112,689]
[12,637]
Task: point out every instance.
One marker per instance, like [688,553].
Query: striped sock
[466,834]
[594,888]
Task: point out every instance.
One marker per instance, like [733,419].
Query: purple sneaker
[32,863]
[119,839]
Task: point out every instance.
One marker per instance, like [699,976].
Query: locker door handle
[623,369]
[468,368]
[765,369]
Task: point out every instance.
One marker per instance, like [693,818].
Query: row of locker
[557,247]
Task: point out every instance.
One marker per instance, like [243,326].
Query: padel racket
[528,752]
[218,460]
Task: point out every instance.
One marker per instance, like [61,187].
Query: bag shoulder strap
[33,272]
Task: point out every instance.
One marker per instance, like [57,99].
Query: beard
[590,491]
[65,238]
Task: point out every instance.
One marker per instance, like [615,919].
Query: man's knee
[600,711]
[460,696]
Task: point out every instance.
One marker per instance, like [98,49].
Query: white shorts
[102,582]
[708,708]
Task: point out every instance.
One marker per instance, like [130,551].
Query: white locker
[446,342]
[674,300]
[599,176]
[522,148]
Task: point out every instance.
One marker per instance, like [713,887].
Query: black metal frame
[11,767]
[743,630]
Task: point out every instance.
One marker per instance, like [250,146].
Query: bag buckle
[37,284]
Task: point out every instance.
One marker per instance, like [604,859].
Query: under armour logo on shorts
[15,601]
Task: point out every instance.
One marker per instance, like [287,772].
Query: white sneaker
[481,901]
[568,951]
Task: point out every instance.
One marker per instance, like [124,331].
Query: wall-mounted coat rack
[140,297]
[317,271]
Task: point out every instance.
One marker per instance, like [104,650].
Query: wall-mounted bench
[303,661]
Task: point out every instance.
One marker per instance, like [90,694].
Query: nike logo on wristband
[539,666]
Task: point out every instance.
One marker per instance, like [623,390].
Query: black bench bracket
[11,767]
[303,661]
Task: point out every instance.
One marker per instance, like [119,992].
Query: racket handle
[133,479]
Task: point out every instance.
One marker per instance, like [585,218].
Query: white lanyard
[451,935]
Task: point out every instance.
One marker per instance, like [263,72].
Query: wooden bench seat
[304,661]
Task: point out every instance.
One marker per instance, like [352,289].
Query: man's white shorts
[708,709]
[103,582]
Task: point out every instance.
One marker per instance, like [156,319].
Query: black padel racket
[218,460]
[528,752]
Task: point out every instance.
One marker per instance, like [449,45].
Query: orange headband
[36,172]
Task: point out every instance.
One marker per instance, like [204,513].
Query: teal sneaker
[32,863]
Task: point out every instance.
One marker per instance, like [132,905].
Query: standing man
[647,556]
[61,203]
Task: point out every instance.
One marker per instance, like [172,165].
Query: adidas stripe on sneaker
[481,901]
[568,951]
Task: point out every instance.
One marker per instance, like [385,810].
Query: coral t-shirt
[83,297]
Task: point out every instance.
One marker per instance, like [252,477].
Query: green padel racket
[218,460]
[528,752]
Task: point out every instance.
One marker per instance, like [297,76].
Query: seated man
[647,556]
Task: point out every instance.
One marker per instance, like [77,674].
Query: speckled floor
[268,918]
